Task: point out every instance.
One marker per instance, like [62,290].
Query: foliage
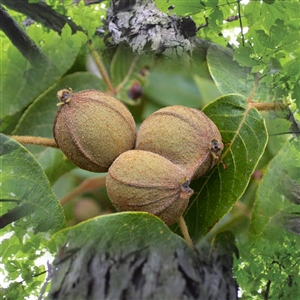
[274,256]
[263,68]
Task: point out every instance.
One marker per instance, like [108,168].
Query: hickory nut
[183,135]
[145,181]
[92,128]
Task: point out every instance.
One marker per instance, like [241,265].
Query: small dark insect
[232,18]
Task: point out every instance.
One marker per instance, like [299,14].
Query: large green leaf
[277,194]
[24,182]
[244,135]
[121,232]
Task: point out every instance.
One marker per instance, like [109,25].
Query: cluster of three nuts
[173,146]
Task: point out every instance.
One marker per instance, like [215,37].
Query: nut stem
[185,233]
[35,140]
[88,185]
[98,60]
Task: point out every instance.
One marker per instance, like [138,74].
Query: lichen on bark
[145,28]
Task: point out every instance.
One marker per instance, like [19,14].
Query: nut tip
[64,96]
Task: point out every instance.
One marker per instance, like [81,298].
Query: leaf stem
[98,60]
[185,233]
[35,140]
[267,105]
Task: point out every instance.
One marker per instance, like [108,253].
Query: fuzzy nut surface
[144,181]
[185,136]
[93,128]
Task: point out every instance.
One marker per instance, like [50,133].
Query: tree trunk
[148,273]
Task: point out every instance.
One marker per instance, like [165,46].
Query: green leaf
[181,8]
[292,68]
[263,39]
[24,181]
[245,137]
[54,163]
[121,232]
[216,19]
[227,74]
[168,88]
[272,198]
[244,57]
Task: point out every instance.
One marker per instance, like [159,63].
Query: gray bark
[146,273]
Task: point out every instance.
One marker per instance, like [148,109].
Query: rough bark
[146,273]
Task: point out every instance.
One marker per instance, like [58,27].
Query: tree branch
[41,13]
[21,40]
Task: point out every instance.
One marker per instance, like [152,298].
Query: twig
[241,24]
[97,59]
[88,185]
[35,140]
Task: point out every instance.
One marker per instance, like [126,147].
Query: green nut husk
[145,181]
[92,128]
[183,135]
